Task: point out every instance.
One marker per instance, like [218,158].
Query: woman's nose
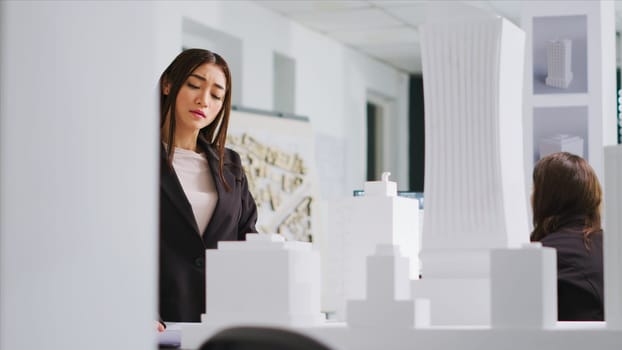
[203,100]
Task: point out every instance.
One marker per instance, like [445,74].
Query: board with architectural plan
[277,155]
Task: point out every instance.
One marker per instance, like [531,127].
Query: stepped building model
[483,285]
[357,225]
[388,292]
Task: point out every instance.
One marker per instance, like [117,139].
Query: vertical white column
[78,175]
[472,71]
[607,73]
[613,236]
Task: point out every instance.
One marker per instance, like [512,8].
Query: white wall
[331,82]
[78,175]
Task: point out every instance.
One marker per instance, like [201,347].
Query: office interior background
[79,134]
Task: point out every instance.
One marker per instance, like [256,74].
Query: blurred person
[204,196]
[566,203]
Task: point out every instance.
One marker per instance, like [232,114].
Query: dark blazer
[182,250]
[579,273]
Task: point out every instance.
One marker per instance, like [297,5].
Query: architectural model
[483,285]
[388,292]
[279,180]
[262,280]
[357,225]
[559,63]
[561,143]
[474,179]
[523,286]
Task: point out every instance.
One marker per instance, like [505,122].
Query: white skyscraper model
[475,197]
[559,63]
[357,226]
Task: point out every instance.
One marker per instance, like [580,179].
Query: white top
[198,184]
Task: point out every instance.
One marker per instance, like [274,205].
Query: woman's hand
[159,326]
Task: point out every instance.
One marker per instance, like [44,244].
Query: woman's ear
[166,88]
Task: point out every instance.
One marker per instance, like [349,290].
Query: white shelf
[559,100]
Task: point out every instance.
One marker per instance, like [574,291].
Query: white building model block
[262,280]
[613,236]
[559,63]
[388,293]
[357,226]
[523,285]
[475,197]
[561,143]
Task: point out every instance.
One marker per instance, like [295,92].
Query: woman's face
[200,98]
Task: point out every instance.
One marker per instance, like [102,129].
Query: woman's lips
[198,113]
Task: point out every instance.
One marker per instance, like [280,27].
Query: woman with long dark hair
[566,203]
[204,196]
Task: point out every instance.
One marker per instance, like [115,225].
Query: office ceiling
[387,29]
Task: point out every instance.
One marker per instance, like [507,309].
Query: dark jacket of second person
[579,272]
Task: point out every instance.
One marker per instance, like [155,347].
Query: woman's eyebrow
[203,79]
[198,76]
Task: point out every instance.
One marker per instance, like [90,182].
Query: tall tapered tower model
[474,178]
